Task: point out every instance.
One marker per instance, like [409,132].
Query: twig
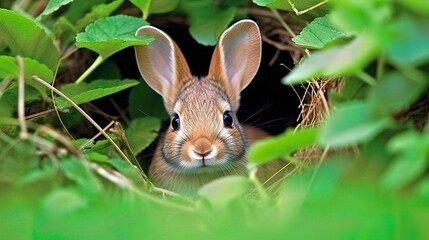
[282,22]
[23,134]
[40,114]
[258,185]
[118,150]
[96,135]
[297,12]
[69,52]
[60,138]
[322,96]
[4,84]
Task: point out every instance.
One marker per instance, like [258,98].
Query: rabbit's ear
[236,57]
[161,63]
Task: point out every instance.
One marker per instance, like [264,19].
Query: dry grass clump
[314,104]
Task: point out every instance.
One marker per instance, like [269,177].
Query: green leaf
[141,132]
[143,5]
[64,30]
[155,6]
[277,4]
[9,102]
[76,171]
[103,147]
[112,34]
[40,175]
[9,69]
[83,143]
[318,34]
[393,93]
[163,6]
[126,169]
[222,191]
[207,21]
[52,6]
[335,61]
[361,16]
[98,11]
[411,162]
[283,145]
[300,5]
[351,124]
[353,89]
[143,101]
[76,10]
[63,201]
[416,5]
[25,37]
[86,92]
[406,44]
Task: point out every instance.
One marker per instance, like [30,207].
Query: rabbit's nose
[203,147]
[203,154]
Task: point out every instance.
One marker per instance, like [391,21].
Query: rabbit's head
[204,135]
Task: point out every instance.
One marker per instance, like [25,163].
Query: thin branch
[67,54]
[96,136]
[23,134]
[117,149]
[283,23]
[258,185]
[40,114]
[4,84]
[297,12]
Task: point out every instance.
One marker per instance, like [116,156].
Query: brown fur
[202,148]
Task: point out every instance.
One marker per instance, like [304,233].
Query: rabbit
[204,141]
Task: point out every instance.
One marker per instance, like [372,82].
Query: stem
[99,60]
[380,67]
[412,74]
[23,134]
[297,12]
[118,150]
[146,10]
[370,80]
[295,162]
[4,84]
[258,185]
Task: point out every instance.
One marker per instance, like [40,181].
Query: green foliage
[207,21]
[155,6]
[97,12]
[335,61]
[413,49]
[283,146]
[390,98]
[9,69]
[52,6]
[141,132]
[16,31]
[112,34]
[86,92]
[299,5]
[352,123]
[146,102]
[221,192]
[393,93]
[374,176]
[318,33]
[411,150]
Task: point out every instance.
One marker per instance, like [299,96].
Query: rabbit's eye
[175,122]
[227,119]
